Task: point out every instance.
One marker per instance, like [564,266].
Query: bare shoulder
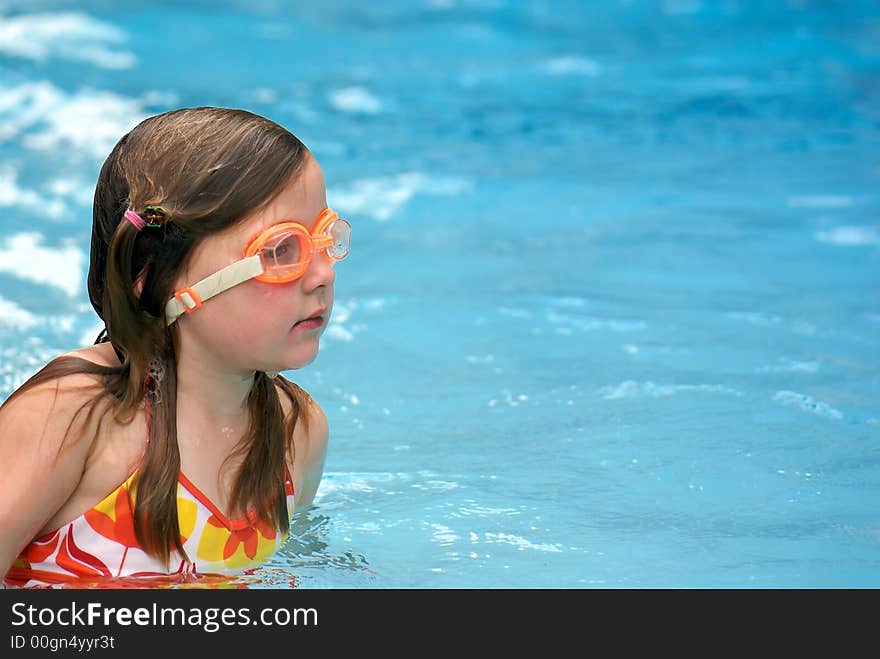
[100,353]
[57,400]
[311,420]
[52,400]
[315,429]
[46,437]
[52,415]
[310,439]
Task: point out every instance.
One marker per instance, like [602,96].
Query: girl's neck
[205,389]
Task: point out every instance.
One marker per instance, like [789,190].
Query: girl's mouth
[312,322]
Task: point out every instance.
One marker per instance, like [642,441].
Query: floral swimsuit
[101,543]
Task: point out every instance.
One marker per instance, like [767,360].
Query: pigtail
[157,525]
[260,485]
[127,326]
[139,334]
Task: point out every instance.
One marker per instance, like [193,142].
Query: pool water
[611,318]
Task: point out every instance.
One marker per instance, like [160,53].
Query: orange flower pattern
[101,543]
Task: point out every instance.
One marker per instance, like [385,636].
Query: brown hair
[200,170]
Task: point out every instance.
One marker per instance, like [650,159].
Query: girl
[172,446]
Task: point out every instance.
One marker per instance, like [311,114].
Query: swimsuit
[101,543]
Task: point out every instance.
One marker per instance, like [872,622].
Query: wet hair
[190,173]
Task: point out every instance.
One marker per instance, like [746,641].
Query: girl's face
[259,326]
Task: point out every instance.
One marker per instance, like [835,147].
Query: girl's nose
[320,273]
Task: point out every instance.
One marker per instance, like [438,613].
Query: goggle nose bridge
[322,241]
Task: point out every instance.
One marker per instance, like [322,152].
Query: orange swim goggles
[280,254]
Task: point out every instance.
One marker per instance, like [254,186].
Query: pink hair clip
[135,219]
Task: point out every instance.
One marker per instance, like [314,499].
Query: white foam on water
[80,192]
[24,105]
[634,389]
[23,256]
[443,534]
[49,119]
[440,485]
[381,197]
[847,236]
[342,311]
[13,195]
[331,486]
[338,332]
[509,398]
[474,510]
[68,35]
[521,543]
[376,304]
[338,328]
[807,403]
[363,482]
[357,100]
[89,121]
[16,317]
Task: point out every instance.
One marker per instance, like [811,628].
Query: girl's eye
[286,252]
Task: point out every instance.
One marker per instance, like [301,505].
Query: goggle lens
[285,254]
[340,235]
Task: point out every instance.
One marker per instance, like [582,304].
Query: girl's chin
[293,364]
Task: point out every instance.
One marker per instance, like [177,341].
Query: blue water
[611,318]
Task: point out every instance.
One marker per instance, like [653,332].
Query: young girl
[172,446]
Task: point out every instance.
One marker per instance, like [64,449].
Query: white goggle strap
[192,298]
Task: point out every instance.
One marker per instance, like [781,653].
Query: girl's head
[271,321]
[207,181]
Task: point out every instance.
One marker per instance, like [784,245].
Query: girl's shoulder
[58,430]
[50,414]
[100,353]
[57,394]
[309,443]
[311,422]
